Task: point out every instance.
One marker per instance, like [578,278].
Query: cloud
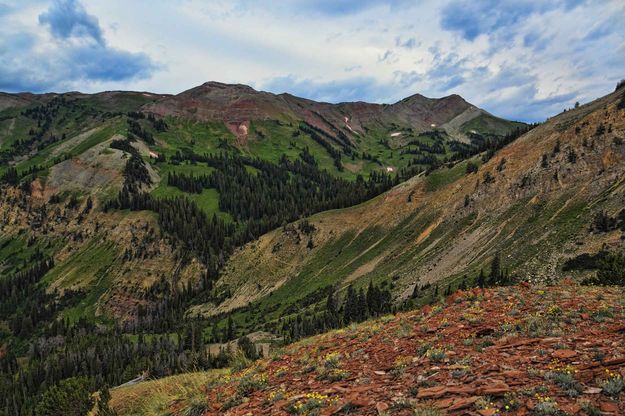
[407,79]
[523,103]
[350,89]
[68,18]
[409,43]
[603,28]
[388,57]
[107,64]
[76,55]
[344,7]
[4,9]
[537,40]
[445,66]
[473,18]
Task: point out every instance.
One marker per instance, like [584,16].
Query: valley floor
[518,350]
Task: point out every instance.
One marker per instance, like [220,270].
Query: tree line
[357,306]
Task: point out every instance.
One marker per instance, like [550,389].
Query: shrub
[400,365]
[546,408]
[70,397]
[427,411]
[460,372]
[584,261]
[565,381]
[309,404]
[614,385]
[590,409]
[197,407]
[510,402]
[248,348]
[471,167]
[251,382]
[612,270]
[336,374]
[436,355]
[332,360]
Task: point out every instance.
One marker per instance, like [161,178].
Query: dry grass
[156,397]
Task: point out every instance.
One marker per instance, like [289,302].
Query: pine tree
[435,294]
[362,311]
[230,329]
[102,408]
[332,310]
[481,279]
[71,397]
[415,291]
[374,299]
[350,307]
[463,283]
[495,270]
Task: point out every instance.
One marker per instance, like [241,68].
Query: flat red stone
[564,354]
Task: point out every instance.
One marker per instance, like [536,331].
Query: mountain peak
[226,86]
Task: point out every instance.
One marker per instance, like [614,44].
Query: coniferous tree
[102,408]
[415,291]
[351,305]
[463,283]
[481,279]
[361,306]
[495,270]
[230,329]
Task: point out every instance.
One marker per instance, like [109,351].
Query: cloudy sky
[520,59]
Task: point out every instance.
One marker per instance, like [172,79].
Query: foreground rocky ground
[513,350]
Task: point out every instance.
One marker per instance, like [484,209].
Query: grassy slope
[488,122]
[155,397]
[422,232]
[88,269]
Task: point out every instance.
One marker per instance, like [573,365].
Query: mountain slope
[62,147]
[537,213]
[518,350]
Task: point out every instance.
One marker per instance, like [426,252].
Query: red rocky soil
[482,352]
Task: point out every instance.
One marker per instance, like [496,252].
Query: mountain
[62,149]
[167,227]
[238,105]
[537,203]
